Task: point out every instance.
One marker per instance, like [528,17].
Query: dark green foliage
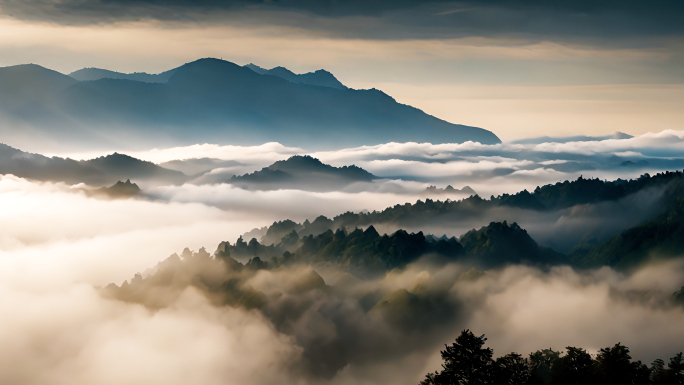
[658,375]
[540,363]
[575,367]
[511,369]
[662,236]
[468,362]
[614,366]
[500,244]
[548,197]
[364,253]
[675,369]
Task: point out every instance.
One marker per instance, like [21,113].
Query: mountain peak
[321,77]
[302,172]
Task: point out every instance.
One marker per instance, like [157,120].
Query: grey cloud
[406,19]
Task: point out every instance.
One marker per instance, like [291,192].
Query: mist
[192,318]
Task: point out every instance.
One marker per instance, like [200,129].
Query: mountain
[42,168]
[499,244]
[28,85]
[90,74]
[363,253]
[578,138]
[118,190]
[101,171]
[434,190]
[366,252]
[211,100]
[197,166]
[321,78]
[302,172]
[660,237]
[591,216]
[122,166]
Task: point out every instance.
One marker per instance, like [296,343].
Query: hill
[302,172]
[101,171]
[595,222]
[118,190]
[365,252]
[499,244]
[659,238]
[211,100]
[28,85]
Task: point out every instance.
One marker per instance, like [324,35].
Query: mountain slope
[211,100]
[660,237]
[321,78]
[122,166]
[29,83]
[499,244]
[90,74]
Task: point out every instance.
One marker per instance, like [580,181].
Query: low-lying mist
[196,319]
[488,169]
[293,324]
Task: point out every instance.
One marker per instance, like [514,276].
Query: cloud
[489,169]
[408,19]
[57,329]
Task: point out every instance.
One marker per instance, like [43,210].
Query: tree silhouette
[676,369]
[511,369]
[573,368]
[541,363]
[658,375]
[614,366]
[465,362]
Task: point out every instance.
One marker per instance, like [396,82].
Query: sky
[518,68]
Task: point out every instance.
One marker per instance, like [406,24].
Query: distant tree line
[467,361]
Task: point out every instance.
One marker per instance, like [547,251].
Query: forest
[468,361]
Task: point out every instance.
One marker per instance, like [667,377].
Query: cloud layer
[408,19]
[58,245]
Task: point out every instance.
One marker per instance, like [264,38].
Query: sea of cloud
[489,169]
[57,245]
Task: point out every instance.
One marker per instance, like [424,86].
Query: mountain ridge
[212,100]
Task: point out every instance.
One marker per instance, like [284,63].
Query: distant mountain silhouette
[122,166]
[89,74]
[118,190]
[434,190]
[101,171]
[321,78]
[29,84]
[577,138]
[302,172]
[211,100]
[198,165]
